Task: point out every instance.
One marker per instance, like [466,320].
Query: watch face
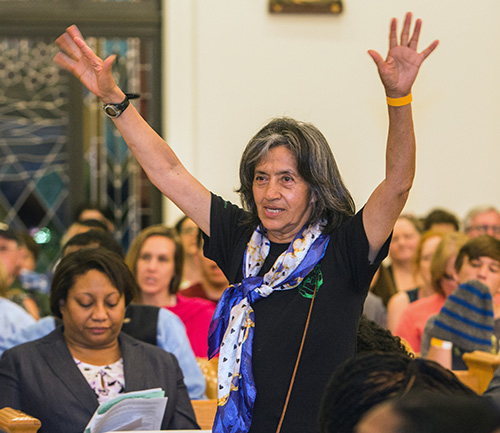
[111,110]
[114,110]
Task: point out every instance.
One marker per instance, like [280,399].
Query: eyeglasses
[485,229]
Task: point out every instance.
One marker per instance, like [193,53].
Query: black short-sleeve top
[280,318]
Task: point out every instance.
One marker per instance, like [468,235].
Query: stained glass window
[57,149]
[33,138]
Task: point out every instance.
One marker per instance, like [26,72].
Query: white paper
[132,414]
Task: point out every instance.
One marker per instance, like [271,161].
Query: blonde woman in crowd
[444,281]
[402,272]
[399,301]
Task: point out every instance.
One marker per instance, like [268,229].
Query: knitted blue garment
[466,318]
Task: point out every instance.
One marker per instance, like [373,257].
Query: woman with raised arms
[298,257]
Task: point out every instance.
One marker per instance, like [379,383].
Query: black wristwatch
[114,110]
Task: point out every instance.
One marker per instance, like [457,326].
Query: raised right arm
[156,157]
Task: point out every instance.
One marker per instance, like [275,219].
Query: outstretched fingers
[416,34]
[66,44]
[65,61]
[377,58]
[406,40]
[74,31]
[78,58]
[393,34]
[405,33]
[94,60]
[429,49]
[413,42]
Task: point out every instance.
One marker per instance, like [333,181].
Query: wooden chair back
[482,365]
[205,412]
[209,369]
[15,421]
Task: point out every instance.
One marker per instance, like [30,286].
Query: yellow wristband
[399,102]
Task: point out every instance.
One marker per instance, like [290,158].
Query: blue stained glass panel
[33,137]
[50,187]
[34,131]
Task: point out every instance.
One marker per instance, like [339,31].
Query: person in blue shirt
[13,319]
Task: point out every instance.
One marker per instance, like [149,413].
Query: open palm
[79,59]
[399,70]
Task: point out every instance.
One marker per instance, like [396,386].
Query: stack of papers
[132,411]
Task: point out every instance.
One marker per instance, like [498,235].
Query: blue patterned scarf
[231,330]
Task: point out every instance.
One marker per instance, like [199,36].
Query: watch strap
[115,110]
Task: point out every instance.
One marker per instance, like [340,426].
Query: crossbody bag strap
[292,380]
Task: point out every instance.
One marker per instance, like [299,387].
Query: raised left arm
[398,73]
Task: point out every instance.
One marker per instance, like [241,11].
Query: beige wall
[230,66]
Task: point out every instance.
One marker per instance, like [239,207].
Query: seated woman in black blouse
[61,378]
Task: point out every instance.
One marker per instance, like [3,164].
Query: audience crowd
[435,267]
[441,280]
